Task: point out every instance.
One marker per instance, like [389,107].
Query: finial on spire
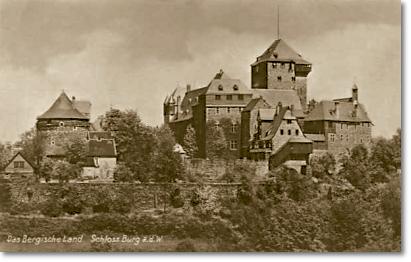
[278,22]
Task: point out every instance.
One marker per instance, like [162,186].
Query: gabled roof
[223,84]
[286,97]
[11,160]
[280,51]
[338,111]
[63,108]
[276,123]
[254,102]
[102,148]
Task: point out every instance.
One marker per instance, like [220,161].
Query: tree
[76,151]
[216,142]
[135,141]
[322,165]
[190,142]
[166,163]
[32,147]
[355,168]
[5,154]
[64,171]
[123,174]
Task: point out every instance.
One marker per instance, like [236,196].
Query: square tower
[280,67]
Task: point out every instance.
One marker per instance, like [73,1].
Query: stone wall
[143,196]
[213,170]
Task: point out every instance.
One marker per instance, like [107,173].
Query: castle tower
[280,67]
[64,121]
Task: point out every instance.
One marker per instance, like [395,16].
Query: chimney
[292,108]
[337,109]
[278,108]
[188,87]
[355,93]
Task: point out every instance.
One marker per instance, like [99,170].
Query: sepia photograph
[200,126]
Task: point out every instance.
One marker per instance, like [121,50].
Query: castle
[271,120]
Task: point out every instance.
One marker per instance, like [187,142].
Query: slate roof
[227,83]
[280,51]
[276,123]
[286,97]
[102,148]
[63,108]
[327,110]
[82,106]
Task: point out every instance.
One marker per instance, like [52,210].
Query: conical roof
[282,52]
[63,108]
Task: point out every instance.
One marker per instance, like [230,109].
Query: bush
[5,195]
[52,207]
[176,199]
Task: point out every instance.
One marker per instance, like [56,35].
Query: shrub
[52,207]
[176,199]
[5,195]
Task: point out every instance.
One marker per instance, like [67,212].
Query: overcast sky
[131,54]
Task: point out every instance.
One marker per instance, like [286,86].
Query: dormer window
[235,87]
[220,88]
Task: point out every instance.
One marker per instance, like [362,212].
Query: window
[297,132]
[233,127]
[293,78]
[342,125]
[342,137]
[235,87]
[220,88]
[52,142]
[331,137]
[330,124]
[61,124]
[217,97]
[289,132]
[233,144]
[19,164]
[228,110]
[229,97]
[256,69]
[282,65]
[274,65]
[217,110]
[288,121]
[240,97]
[74,128]
[281,131]
[278,78]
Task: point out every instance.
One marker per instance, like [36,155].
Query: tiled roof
[102,148]
[338,111]
[286,97]
[63,108]
[82,106]
[280,51]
